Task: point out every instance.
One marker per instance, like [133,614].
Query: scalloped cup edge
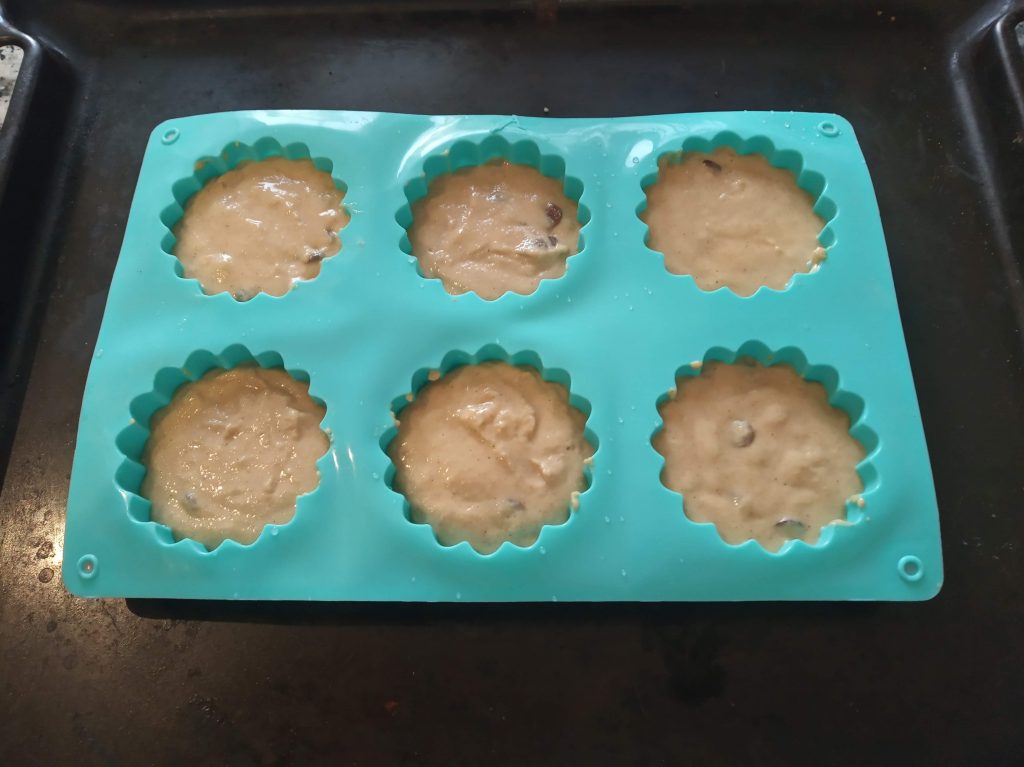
[497,147]
[795,358]
[491,352]
[230,157]
[764,146]
[197,364]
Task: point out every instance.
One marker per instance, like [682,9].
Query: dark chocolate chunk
[741,433]
[554,214]
[713,166]
[552,240]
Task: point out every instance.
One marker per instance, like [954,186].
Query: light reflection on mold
[639,151]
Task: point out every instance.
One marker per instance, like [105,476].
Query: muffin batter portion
[494,228]
[231,453]
[759,452]
[490,453]
[260,228]
[732,220]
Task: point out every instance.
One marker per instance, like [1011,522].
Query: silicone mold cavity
[468,154]
[850,403]
[811,181]
[489,353]
[208,168]
[131,442]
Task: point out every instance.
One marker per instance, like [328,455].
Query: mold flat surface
[617,323]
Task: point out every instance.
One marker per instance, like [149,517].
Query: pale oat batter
[231,453]
[732,220]
[494,228]
[490,453]
[759,452]
[260,228]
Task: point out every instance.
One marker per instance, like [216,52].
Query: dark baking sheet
[934,90]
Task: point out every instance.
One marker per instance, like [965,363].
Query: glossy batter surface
[490,453]
[231,453]
[759,452]
[494,228]
[731,220]
[260,227]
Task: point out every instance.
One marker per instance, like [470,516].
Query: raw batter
[732,220]
[231,453]
[494,228]
[759,452]
[490,453]
[260,228]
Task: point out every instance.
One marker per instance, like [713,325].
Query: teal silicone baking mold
[617,329]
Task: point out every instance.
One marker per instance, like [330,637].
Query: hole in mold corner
[209,167]
[88,566]
[828,377]
[911,569]
[489,353]
[131,440]
[810,181]
[828,129]
[170,135]
[466,153]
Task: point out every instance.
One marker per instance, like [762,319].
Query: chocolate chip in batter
[312,256]
[741,433]
[554,214]
[713,166]
[791,526]
[552,240]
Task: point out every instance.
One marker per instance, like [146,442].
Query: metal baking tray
[935,90]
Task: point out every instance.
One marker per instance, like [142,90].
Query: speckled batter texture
[759,452]
[490,453]
[732,220]
[260,228]
[231,453]
[494,228]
